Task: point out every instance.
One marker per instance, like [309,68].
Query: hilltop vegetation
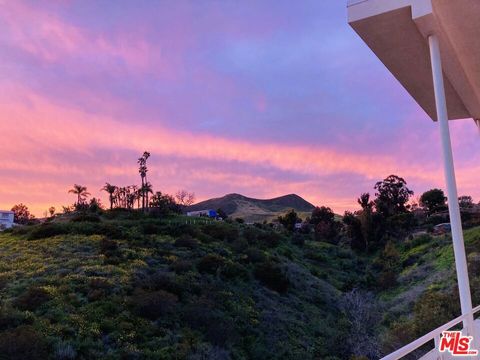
[124,285]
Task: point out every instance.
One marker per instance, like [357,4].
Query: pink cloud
[44,131]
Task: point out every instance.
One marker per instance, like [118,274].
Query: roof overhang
[397,32]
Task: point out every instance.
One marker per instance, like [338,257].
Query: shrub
[474,263]
[99,289]
[221,231]
[22,343]
[108,247]
[201,316]
[182,266]
[186,241]
[272,277]
[152,305]
[86,217]
[3,281]
[387,279]
[298,239]
[255,255]
[251,234]
[433,309]
[47,230]
[32,299]
[161,281]
[150,228]
[210,263]
[400,333]
[437,219]
[239,245]
[418,240]
[233,270]
[269,239]
[10,319]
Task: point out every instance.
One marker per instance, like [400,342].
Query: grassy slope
[100,301]
[429,266]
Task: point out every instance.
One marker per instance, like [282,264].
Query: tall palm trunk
[143,193]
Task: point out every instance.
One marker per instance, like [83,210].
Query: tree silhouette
[110,189]
[146,189]
[433,200]
[81,192]
[142,170]
[184,198]
[365,202]
[392,196]
[21,214]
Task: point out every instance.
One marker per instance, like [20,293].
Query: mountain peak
[255,210]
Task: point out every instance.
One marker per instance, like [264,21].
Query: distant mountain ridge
[250,209]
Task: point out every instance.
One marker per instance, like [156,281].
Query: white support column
[453,207]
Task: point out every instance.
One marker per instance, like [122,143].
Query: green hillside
[123,285]
[132,287]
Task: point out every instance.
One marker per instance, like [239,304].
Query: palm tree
[142,169]
[80,191]
[138,196]
[146,189]
[110,189]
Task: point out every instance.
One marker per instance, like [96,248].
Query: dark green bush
[418,240]
[176,230]
[255,255]
[271,276]
[233,270]
[210,263]
[99,289]
[108,247]
[221,231]
[161,281]
[22,343]
[387,279]
[47,230]
[435,308]
[239,245]
[150,228]
[186,241]
[10,319]
[437,219]
[31,299]
[152,305]
[269,239]
[203,317]
[251,234]
[298,239]
[86,217]
[182,266]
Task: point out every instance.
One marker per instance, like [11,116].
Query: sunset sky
[262,98]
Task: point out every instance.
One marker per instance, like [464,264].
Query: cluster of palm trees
[127,196]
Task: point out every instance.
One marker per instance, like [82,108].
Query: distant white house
[6,219]
[205,213]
